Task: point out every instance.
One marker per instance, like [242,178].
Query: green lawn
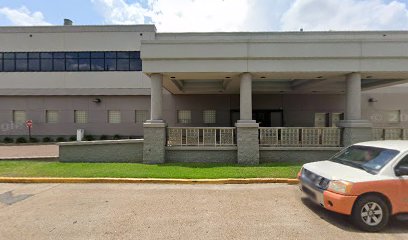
[135,170]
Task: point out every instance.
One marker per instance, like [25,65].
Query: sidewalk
[30,152]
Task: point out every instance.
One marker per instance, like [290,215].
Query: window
[141,116]
[70,61]
[19,116]
[51,116]
[336,118]
[114,116]
[321,120]
[209,116]
[392,116]
[81,116]
[184,116]
[403,162]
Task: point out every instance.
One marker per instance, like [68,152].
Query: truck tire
[370,213]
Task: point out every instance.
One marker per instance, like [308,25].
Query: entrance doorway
[265,118]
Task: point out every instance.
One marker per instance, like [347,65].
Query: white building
[104,78]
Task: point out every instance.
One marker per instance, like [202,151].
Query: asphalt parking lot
[151,211]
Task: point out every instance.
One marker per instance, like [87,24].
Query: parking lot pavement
[29,151]
[149,211]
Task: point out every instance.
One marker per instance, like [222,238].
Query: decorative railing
[300,137]
[199,136]
[390,133]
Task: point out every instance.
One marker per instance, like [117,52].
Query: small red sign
[29,123]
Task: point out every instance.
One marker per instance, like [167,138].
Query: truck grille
[316,180]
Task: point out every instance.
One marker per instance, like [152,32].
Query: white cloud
[179,15]
[23,16]
[120,12]
[257,15]
[345,15]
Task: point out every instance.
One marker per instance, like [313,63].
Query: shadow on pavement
[343,222]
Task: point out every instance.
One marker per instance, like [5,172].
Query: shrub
[72,138]
[21,140]
[89,138]
[33,140]
[61,139]
[103,137]
[117,137]
[47,139]
[8,140]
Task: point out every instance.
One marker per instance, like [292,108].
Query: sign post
[29,125]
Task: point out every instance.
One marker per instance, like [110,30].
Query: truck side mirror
[401,171]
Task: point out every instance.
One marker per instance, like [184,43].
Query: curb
[148,180]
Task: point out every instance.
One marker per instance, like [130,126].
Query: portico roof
[296,62]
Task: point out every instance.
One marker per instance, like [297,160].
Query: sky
[213,15]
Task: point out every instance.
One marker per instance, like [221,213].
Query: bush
[47,139]
[21,140]
[89,138]
[33,140]
[117,137]
[8,140]
[103,137]
[61,139]
[72,138]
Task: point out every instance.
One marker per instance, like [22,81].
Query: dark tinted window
[71,55]
[97,55]
[84,55]
[135,65]
[9,55]
[33,55]
[9,65]
[21,55]
[21,65]
[46,65]
[59,64]
[403,162]
[46,55]
[34,65]
[58,55]
[84,64]
[98,64]
[123,55]
[122,65]
[110,54]
[70,61]
[110,64]
[71,64]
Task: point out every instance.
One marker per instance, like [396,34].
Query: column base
[355,131]
[154,142]
[248,143]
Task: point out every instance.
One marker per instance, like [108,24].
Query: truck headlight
[342,187]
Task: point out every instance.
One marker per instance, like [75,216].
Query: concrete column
[355,129]
[155,129]
[353,96]
[246,98]
[156,97]
[247,129]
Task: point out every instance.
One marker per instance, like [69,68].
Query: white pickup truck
[368,181]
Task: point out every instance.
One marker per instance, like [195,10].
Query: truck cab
[367,181]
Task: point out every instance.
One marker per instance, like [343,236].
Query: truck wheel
[370,213]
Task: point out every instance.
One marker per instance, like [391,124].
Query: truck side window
[403,162]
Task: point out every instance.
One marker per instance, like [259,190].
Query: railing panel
[307,137]
[269,136]
[196,136]
[311,136]
[290,136]
[331,137]
[392,134]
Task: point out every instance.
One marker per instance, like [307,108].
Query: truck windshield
[370,159]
